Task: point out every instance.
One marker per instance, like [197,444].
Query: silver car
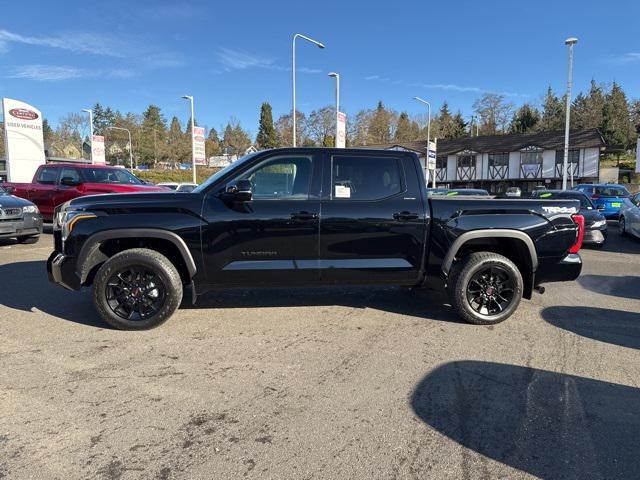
[19,218]
[629,217]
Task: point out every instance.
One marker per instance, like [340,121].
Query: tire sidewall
[464,276]
[154,261]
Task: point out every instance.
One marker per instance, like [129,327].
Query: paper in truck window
[343,192]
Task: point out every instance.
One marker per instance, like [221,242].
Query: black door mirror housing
[240,190]
[69,182]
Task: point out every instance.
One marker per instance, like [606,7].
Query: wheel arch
[93,254]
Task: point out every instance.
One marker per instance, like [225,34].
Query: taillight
[578,220]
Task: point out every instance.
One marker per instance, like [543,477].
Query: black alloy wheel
[135,293]
[491,290]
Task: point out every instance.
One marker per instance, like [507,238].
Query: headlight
[30,209]
[67,220]
[599,223]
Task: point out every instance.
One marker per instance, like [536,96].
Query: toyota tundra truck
[312,217]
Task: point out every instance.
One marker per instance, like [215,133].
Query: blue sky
[65,55]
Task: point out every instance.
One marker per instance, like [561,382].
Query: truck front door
[372,228]
[272,239]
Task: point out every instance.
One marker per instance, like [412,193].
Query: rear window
[612,191]
[365,178]
[48,176]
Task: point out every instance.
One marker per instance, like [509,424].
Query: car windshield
[612,191]
[110,175]
[2,191]
[585,203]
[467,192]
[221,173]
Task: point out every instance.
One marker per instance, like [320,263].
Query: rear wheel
[485,288]
[622,226]
[137,289]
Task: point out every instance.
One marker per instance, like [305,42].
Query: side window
[286,177]
[70,173]
[636,200]
[365,178]
[47,176]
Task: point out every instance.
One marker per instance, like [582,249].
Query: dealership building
[496,162]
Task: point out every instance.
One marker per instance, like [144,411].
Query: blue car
[607,197]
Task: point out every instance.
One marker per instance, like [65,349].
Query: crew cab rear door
[373,223]
[272,239]
[42,190]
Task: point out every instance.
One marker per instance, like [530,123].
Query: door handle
[303,216]
[405,216]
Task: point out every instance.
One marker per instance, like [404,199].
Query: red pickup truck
[54,184]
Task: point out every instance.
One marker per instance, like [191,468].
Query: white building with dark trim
[496,162]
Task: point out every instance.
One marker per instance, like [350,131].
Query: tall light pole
[293,76]
[90,112]
[570,42]
[433,181]
[130,145]
[337,77]
[193,145]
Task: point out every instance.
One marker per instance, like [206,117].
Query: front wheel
[622,226]
[28,239]
[137,289]
[485,288]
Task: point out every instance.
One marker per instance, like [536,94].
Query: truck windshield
[221,173]
[110,175]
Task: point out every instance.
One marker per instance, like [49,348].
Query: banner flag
[341,130]
[199,152]
[97,150]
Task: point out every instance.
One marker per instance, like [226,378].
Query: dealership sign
[341,130]
[431,156]
[199,152]
[97,150]
[23,140]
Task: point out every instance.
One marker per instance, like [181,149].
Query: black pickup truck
[308,217]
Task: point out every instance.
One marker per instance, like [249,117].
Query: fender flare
[93,242]
[489,233]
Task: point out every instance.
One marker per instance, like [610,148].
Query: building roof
[553,140]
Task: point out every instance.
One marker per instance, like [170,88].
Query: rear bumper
[563,270]
[595,237]
[61,271]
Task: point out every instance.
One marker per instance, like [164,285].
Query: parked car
[179,186]
[19,218]
[436,191]
[629,219]
[607,197]
[513,192]
[311,217]
[595,225]
[476,192]
[54,184]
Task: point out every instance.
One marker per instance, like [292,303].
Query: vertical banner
[97,150]
[638,156]
[23,140]
[341,130]
[199,152]
[431,156]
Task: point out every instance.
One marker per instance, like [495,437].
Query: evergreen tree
[102,119]
[235,139]
[403,131]
[525,119]
[552,113]
[47,133]
[617,126]
[178,143]
[587,110]
[460,126]
[212,143]
[152,135]
[266,137]
[379,130]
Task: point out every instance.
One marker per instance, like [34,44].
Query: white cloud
[372,77]
[78,42]
[241,60]
[443,86]
[54,73]
[628,58]
[4,47]
[308,70]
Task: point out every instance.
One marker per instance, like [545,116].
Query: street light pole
[193,144]
[130,145]
[293,77]
[433,181]
[570,42]
[337,77]
[90,112]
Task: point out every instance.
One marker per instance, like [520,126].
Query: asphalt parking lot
[332,383]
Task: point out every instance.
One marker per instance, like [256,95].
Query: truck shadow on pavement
[547,424]
[611,326]
[626,287]
[415,303]
[25,286]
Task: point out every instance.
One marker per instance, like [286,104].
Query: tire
[137,289]
[622,226]
[28,239]
[469,280]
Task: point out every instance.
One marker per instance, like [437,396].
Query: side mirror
[69,182]
[9,189]
[240,191]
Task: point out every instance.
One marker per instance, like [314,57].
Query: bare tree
[494,113]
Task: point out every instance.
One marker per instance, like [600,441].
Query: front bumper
[29,225]
[61,271]
[563,270]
